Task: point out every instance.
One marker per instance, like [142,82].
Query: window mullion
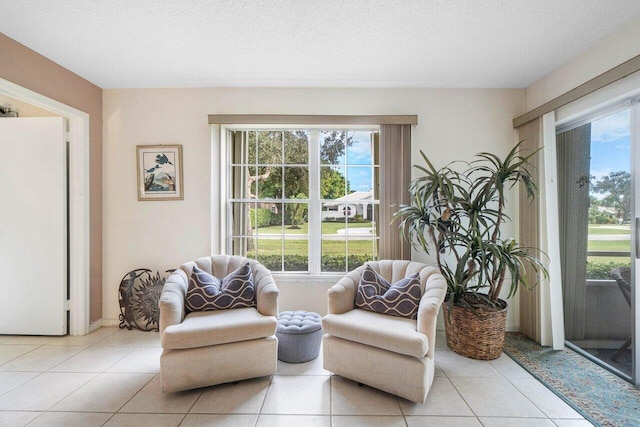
[347,169]
[284,196]
[315,206]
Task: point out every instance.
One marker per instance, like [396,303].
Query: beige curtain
[541,312]
[393,184]
[529,220]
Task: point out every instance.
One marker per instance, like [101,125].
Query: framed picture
[159,172]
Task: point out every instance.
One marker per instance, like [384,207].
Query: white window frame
[315,203]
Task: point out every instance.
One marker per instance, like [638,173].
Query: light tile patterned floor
[111,377]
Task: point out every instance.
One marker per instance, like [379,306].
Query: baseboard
[110,322]
[93,326]
[512,327]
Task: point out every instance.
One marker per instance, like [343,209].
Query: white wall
[452,124]
[610,52]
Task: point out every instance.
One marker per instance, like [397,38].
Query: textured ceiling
[309,43]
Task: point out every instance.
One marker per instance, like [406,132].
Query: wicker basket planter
[478,334]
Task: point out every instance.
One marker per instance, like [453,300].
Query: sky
[357,156]
[610,144]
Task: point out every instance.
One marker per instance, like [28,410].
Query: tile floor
[110,377]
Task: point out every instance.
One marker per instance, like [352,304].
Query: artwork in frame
[159,172]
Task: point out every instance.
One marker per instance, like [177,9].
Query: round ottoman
[299,335]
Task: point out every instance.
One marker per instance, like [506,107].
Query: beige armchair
[393,354]
[212,347]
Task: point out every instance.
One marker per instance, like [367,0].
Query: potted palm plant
[458,216]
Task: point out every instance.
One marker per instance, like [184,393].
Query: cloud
[600,173]
[610,144]
[359,152]
[613,129]
[360,179]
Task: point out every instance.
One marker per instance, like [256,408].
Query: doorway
[79,236]
[597,211]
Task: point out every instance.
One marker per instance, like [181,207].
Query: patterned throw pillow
[400,299]
[207,292]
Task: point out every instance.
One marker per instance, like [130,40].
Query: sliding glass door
[597,229]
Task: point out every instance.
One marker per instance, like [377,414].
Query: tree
[333,184]
[617,190]
[296,211]
[267,148]
[334,146]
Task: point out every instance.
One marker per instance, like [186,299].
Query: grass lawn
[268,246]
[301,247]
[609,229]
[327,228]
[610,245]
[609,259]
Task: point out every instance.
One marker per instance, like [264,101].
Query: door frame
[79,235]
[635,237]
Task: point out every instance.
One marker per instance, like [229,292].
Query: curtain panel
[541,311]
[529,221]
[395,176]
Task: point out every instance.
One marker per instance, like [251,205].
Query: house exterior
[356,203]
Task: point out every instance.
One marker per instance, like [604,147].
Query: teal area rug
[600,396]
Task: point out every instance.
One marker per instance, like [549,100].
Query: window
[304,200]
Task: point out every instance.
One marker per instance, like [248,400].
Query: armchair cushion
[400,299]
[207,292]
[207,328]
[396,334]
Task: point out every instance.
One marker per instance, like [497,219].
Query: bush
[332,219]
[291,262]
[355,219]
[601,270]
[330,262]
[276,219]
[296,263]
[602,219]
[264,217]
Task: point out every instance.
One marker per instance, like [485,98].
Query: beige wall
[28,69]
[608,53]
[453,124]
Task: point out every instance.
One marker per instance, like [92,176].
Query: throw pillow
[400,299]
[207,292]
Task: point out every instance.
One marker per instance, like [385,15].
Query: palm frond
[457,214]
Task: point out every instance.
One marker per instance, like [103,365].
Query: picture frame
[159,172]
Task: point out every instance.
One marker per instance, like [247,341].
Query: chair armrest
[432,298]
[266,291]
[342,295]
[267,298]
[171,303]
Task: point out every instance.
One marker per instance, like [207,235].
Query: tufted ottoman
[299,335]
